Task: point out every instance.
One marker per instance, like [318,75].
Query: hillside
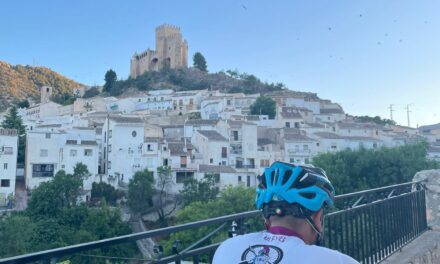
[194,79]
[20,82]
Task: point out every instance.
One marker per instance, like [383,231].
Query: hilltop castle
[171,50]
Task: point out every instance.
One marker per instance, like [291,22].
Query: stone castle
[171,50]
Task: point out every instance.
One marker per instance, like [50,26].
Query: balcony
[245,166]
[184,167]
[300,152]
[6,151]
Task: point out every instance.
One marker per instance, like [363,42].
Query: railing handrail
[63,251]
[348,195]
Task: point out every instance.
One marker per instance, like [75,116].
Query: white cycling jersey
[273,248]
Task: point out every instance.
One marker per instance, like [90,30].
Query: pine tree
[110,80]
[199,62]
[13,121]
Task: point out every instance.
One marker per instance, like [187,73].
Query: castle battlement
[171,50]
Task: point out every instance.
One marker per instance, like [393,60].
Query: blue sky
[364,55]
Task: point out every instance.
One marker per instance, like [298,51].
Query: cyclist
[292,199]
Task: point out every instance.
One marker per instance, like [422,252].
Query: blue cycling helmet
[306,186]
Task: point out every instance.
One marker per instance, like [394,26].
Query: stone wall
[426,248]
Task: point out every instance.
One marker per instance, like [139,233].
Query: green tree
[351,171]
[23,104]
[141,191]
[204,190]
[13,121]
[165,203]
[195,115]
[65,98]
[377,119]
[68,222]
[105,191]
[93,91]
[231,200]
[264,106]
[199,62]
[62,191]
[16,233]
[110,80]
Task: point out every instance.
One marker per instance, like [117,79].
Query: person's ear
[318,218]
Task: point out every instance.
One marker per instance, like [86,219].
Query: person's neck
[288,230]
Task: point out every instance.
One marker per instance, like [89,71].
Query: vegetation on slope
[21,82]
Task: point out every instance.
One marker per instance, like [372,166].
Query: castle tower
[171,50]
[45,94]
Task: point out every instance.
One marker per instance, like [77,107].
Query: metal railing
[368,225]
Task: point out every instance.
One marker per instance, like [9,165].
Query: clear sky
[364,55]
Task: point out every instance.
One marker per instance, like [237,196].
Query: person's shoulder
[241,238]
[334,255]
[233,245]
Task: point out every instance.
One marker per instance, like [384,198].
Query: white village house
[8,163]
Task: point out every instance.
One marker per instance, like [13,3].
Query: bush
[93,91]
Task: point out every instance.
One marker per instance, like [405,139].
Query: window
[133,134]
[105,136]
[224,152]
[109,166]
[288,124]
[47,135]
[43,152]
[183,161]
[235,135]
[305,147]
[228,102]
[334,146]
[109,148]
[88,152]
[239,179]
[165,162]
[248,181]
[149,148]
[5,183]
[211,160]
[7,150]
[43,170]
[110,133]
[182,176]
[5,166]
[73,152]
[317,144]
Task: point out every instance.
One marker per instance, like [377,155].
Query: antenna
[391,111]
[407,112]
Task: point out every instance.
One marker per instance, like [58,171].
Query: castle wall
[171,49]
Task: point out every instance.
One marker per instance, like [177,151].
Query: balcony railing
[245,166]
[299,151]
[184,167]
[368,225]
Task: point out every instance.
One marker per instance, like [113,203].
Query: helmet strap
[319,234]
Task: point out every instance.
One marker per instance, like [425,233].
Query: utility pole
[391,111]
[407,112]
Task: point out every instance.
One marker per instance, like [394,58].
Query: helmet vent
[308,195]
[287,176]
